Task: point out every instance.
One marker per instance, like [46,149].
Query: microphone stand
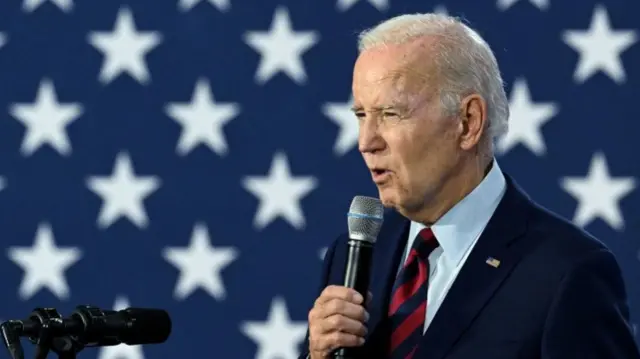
[49,336]
[66,347]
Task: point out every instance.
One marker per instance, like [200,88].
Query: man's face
[408,144]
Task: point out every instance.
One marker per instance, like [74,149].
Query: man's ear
[473,114]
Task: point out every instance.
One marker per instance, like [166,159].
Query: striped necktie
[408,307]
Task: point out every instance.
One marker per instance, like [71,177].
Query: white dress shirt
[457,232]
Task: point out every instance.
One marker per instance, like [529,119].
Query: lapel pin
[493,262]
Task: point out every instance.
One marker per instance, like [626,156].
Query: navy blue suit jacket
[558,293]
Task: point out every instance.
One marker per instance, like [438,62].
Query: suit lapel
[477,280]
[391,241]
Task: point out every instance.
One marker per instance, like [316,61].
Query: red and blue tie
[408,307]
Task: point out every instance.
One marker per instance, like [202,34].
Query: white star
[46,120]
[64,5]
[121,351]
[3,39]
[506,4]
[279,193]
[222,5]
[44,264]
[526,120]
[600,47]
[281,48]
[342,115]
[200,265]
[125,48]
[3,183]
[344,5]
[278,337]
[202,120]
[598,194]
[123,193]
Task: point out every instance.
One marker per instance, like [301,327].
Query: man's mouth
[379,174]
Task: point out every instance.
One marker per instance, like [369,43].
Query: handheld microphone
[364,220]
[87,326]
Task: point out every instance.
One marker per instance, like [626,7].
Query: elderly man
[466,265]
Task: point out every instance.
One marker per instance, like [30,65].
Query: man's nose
[369,139]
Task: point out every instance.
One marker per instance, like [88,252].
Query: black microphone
[87,326]
[364,220]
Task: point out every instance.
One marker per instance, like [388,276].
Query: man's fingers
[340,323]
[335,340]
[340,307]
[338,319]
[339,292]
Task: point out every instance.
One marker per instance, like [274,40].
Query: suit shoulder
[560,239]
[336,250]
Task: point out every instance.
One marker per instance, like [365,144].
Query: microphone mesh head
[365,218]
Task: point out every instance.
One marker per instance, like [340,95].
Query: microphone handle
[357,276]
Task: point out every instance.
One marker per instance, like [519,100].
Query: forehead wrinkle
[409,88]
[411,81]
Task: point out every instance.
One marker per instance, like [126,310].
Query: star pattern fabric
[202,120]
[3,39]
[280,193]
[222,5]
[506,4]
[123,193]
[281,48]
[200,265]
[32,5]
[124,49]
[342,116]
[44,264]
[526,120]
[600,47]
[46,120]
[344,5]
[599,194]
[200,156]
[278,336]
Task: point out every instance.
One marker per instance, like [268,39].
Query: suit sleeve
[589,317]
[324,279]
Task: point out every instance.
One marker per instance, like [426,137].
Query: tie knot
[425,243]
[426,234]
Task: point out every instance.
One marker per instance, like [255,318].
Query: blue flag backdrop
[198,155]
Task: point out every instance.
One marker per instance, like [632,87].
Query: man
[465,265]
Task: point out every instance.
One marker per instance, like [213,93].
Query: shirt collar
[462,224]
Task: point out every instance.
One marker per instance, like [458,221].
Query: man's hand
[336,320]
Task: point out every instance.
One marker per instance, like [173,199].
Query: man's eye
[389,114]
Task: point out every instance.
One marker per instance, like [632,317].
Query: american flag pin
[495,263]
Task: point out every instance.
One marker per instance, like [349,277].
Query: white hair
[462,58]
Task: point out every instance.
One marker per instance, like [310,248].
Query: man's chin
[388,197]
